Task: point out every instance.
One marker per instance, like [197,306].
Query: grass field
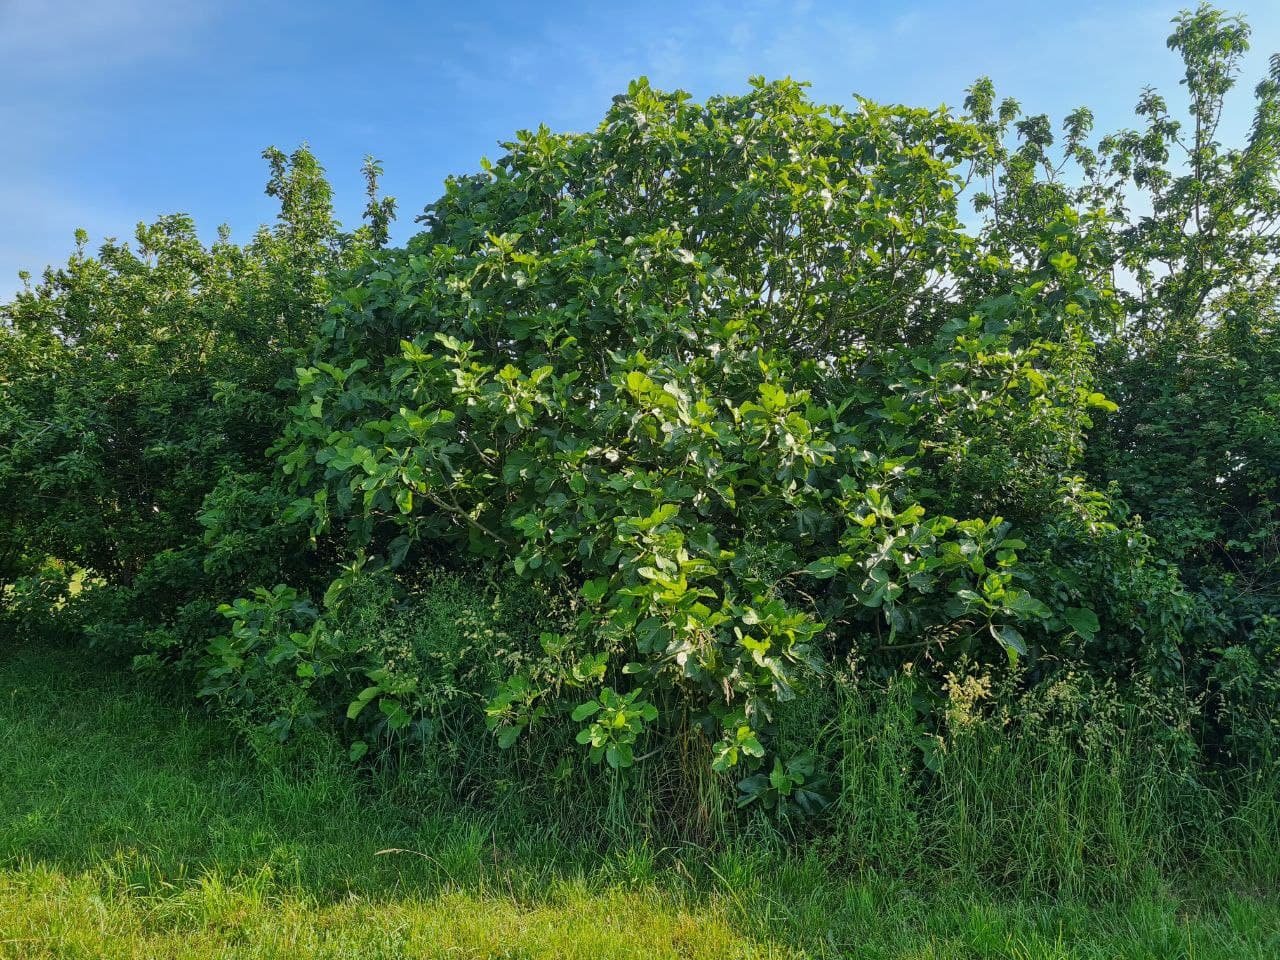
[132,828]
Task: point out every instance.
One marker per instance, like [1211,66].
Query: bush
[632,421]
[134,382]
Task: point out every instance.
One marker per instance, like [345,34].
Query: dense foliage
[593,367]
[138,381]
[659,440]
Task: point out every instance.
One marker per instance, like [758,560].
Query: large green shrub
[732,374]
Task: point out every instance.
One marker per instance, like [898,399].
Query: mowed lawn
[130,827]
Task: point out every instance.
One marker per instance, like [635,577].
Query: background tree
[138,379]
[1190,232]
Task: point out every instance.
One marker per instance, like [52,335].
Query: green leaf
[361,701]
[1064,262]
[507,736]
[594,590]
[1101,402]
[1011,639]
[404,500]
[827,567]
[397,717]
[619,755]
[1083,621]
[1026,606]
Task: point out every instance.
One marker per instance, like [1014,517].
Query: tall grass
[1100,804]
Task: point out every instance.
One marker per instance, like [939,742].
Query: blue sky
[114,111]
